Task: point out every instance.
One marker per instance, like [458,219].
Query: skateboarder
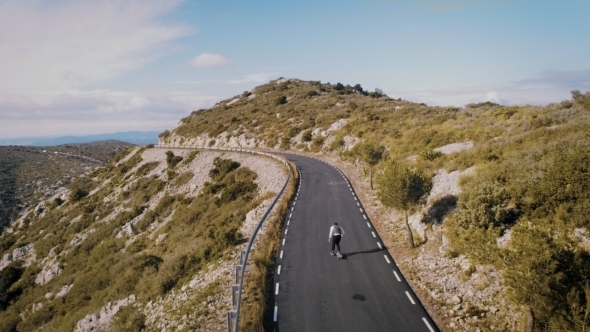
[336,233]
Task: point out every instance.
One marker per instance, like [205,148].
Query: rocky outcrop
[101,321]
[50,269]
[26,253]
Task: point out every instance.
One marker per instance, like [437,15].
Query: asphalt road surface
[312,290]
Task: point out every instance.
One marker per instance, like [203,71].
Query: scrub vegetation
[105,265]
[524,211]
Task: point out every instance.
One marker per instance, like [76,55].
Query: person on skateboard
[336,233]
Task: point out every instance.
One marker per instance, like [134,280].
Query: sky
[101,66]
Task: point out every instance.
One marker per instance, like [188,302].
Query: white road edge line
[354,197]
[276,311]
[283,241]
[361,210]
[279,270]
[288,222]
[369,225]
[387,259]
[277,289]
[410,297]
[357,204]
[378,243]
[281,254]
[364,216]
[427,324]
[396,276]
[286,230]
[290,215]
[373,234]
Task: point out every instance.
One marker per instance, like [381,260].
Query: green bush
[172,160]
[306,136]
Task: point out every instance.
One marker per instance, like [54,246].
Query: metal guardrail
[233,316]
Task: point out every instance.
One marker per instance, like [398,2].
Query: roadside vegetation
[524,211]
[106,265]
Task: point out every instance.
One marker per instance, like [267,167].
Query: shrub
[222,167]
[172,160]
[129,320]
[281,100]
[306,136]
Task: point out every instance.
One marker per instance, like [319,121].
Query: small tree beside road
[401,187]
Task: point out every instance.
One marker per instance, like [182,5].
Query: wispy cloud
[54,52]
[209,60]
[96,111]
[546,87]
[253,78]
[60,45]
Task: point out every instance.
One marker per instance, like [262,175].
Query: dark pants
[336,241]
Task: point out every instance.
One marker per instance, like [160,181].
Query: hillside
[148,241]
[30,174]
[502,236]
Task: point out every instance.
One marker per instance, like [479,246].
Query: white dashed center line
[373,234]
[286,230]
[361,210]
[396,276]
[279,270]
[276,311]
[365,217]
[410,297]
[281,254]
[387,259]
[427,325]
[379,244]
[354,197]
[369,225]
[277,289]
[283,241]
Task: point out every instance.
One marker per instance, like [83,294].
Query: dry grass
[256,281]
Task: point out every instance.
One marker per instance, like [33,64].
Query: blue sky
[88,67]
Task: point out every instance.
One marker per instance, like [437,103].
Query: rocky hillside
[147,242]
[500,237]
[31,174]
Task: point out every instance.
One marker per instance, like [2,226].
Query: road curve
[312,290]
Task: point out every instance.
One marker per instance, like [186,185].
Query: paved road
[314,291]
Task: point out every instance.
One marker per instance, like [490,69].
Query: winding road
[312,290]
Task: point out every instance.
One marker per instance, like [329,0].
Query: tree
[371,153]
[338,144]
[401,187]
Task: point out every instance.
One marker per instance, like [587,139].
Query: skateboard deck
[339,256]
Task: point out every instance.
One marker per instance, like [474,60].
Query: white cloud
[253,78]
[63,45]
[95,112]
[493,97]
[209,60]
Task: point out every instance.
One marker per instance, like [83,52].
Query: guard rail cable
[233,316]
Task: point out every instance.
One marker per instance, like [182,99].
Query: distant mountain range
[134,137]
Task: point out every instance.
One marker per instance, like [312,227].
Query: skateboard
[339,256]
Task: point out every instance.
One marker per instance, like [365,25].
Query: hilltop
[502,237]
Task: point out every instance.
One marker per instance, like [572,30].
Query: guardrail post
[234,299]
[239,270]
[242,257]
[231,315]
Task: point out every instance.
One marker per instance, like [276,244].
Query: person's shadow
[364,252]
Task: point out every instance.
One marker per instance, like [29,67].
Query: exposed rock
[102,320]
[50,268]
[454,147]
[64,290]
[26,253]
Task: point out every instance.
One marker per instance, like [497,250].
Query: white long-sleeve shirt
[336,230]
